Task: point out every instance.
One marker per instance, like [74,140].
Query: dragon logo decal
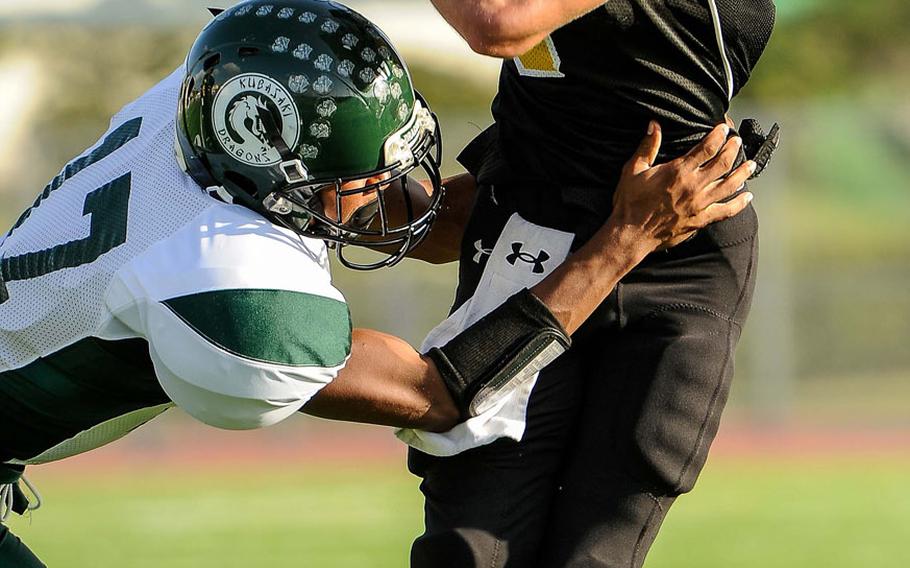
[237,118]
[245,119]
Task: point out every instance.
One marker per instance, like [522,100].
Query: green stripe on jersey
[273,326]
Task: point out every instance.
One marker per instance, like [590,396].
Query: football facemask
[394,231]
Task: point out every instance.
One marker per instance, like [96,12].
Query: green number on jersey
[108,205]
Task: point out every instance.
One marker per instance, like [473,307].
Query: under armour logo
[481,252]
[518,254]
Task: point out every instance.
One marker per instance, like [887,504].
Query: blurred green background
[811,461]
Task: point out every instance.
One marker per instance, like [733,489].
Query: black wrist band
[498,353]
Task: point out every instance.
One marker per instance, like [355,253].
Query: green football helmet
[286,99]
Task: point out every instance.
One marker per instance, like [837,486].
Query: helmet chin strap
[291,165]
[364,215]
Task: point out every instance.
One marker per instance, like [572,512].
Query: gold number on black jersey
[541,61]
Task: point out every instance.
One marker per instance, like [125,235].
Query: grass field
[746,512]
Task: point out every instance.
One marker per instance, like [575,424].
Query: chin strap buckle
[757,145]
[277,204]
[294,171]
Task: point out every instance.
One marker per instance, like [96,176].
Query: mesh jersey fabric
[123,245]
[612,71]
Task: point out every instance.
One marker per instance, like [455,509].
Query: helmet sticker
[323,62]
[326,108]
[323,85]
[368,55]
[281,44]
[307,18]
[237,118]
[350,41]
[265,10]
[303,52]
[345,68]
[380,89]
[298,84]
[367,75]
[321,129]
[286,13]
[309,152]
[330,26]
[243,10]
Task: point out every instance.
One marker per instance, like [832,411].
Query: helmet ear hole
[188,91]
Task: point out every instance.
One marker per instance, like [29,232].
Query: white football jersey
[239,322]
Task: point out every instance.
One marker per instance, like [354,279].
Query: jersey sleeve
[243,323]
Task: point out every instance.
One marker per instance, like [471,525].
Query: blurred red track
[179,442]
[811,442]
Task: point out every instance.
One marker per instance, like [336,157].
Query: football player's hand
[667,203]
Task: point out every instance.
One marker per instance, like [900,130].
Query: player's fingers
[709,146]
[644,156]
[724,210]
[724,188]
[720,165]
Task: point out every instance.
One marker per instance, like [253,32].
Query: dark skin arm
[443,243]
[388,382]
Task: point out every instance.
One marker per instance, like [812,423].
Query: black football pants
[14,553]
[617,427]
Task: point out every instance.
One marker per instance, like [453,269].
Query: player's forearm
[443,245]
[575,289]
[386,382]
[508,28]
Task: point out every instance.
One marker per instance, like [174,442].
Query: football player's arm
[509,28]
[386,382]
[443,243]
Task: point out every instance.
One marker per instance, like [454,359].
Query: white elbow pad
[226,389]
[226,411]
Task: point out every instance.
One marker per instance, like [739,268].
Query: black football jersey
[572,110]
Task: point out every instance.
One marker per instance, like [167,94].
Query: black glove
[758,146]
[20,501]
